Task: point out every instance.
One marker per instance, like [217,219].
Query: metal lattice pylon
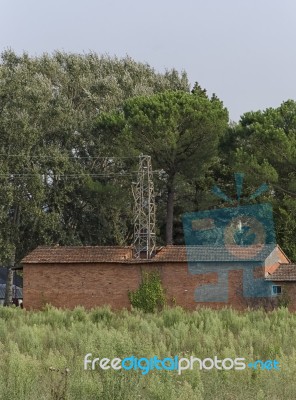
[144,212]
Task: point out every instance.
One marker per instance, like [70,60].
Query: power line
[131,173]
[68,156]
[67,176]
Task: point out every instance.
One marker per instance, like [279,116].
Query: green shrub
[150,295]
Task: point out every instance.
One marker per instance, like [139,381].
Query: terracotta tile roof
[171,253]
[285,272]
[89,254]
[77,254]
[214,253]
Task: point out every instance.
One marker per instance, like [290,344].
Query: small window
[276,289]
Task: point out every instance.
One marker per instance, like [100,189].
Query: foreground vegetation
[37,348]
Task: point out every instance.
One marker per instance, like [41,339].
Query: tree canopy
[55,178]
[72,127]
[263,146]
[180,131]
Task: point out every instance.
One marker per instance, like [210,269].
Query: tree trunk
[9,282]
[170,214]
[9,286]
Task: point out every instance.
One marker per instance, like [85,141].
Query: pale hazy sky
[243,50]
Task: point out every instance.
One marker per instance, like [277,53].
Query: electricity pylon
[144,211]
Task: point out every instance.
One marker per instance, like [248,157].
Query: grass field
[37,347]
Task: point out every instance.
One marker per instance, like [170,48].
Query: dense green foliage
[181,132]
[72,128]
[263,146]
[150,295]
[57,184]
[33,345]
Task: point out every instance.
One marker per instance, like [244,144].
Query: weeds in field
[33,342]
[59,383]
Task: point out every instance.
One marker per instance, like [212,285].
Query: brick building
[192,276]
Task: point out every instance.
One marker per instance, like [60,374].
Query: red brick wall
[288,295]
[90,285]
[69,285]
